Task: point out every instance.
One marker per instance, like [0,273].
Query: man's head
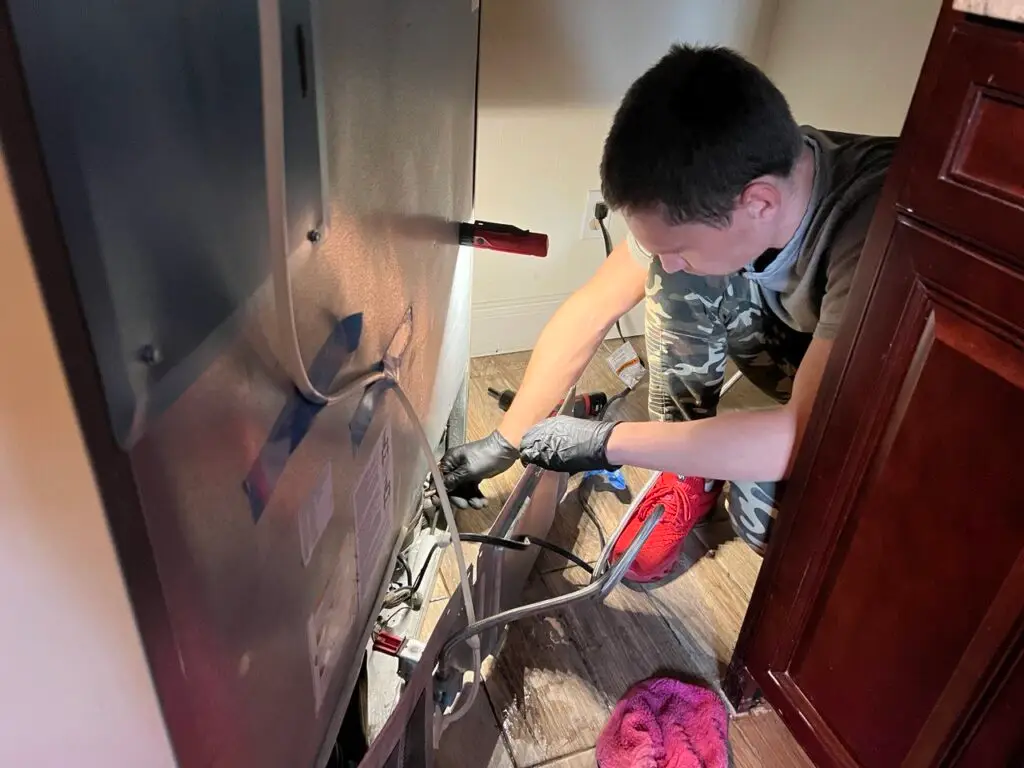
[699,160]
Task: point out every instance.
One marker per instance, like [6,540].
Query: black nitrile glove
[568,444]
[464,466]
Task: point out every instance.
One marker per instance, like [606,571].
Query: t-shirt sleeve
[640,255]
[842,265]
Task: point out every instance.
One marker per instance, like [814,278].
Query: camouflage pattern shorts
[693,325]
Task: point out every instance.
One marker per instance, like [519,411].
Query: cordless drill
[587,405]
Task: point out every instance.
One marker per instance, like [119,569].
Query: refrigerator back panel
[151,119]
[273,522]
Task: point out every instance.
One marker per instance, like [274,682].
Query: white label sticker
[372,503]
[327,628]
[316,513]
[626,364]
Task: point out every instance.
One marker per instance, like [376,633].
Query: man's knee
[752,512]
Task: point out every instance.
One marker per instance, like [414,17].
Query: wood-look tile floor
[558,677]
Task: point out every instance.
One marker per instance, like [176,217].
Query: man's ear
[761,200]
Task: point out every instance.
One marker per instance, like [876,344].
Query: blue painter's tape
[298,415]
[615,479]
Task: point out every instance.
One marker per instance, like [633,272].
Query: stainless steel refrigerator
[256,530]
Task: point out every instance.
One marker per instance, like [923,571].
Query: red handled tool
[586,405]
[503,237]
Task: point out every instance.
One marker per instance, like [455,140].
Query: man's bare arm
[571,337]
[746,445]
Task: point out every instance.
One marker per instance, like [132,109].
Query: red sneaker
[686,501]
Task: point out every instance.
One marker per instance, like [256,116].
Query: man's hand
[571,337]
[567,444]
[464,466]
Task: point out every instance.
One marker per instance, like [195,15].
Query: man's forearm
[570,339]
[563,350]
[753,446]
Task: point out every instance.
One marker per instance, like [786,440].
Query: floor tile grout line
[660,609]
[728,574]
[586,663]
[587,669]
[505,743]
[560,758]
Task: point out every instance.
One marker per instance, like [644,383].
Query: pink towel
[665,723]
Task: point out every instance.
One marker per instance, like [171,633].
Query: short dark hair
[692,132]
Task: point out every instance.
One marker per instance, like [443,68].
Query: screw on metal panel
[314,236]
[150,355]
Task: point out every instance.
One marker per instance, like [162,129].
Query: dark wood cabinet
[887,626]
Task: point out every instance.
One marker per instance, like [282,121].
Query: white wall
[850,66]
[74,686]
[552,73]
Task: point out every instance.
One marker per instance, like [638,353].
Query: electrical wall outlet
[591,228]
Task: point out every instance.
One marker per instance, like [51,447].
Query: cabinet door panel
[969,167]
[884,622]
[896,632]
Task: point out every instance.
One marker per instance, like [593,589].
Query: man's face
[700,249]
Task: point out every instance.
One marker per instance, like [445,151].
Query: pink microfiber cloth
[665,723]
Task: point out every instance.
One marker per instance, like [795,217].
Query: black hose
[583,495]
[524,542]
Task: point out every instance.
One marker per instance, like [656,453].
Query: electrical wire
[583,495]
[404,565]
[524,542]
[423,569]
[614,399]
[405,594]
[572,557]
[601,213]
[517,544]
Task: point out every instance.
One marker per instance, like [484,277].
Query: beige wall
[850,66]
[74,686]
[552,73]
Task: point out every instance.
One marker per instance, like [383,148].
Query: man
[745,232]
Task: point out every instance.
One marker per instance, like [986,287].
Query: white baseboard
[513,325]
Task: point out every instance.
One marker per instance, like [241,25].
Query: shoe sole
[635,578]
